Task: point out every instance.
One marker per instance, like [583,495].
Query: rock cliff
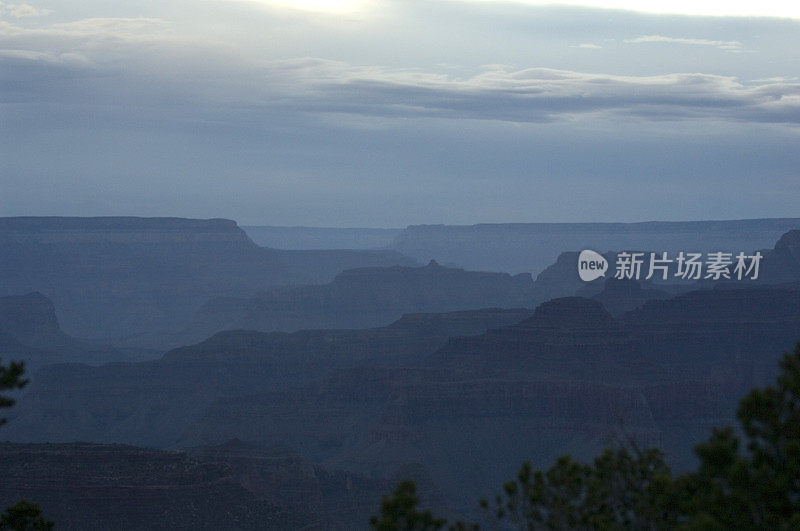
[364,297]
[114,278]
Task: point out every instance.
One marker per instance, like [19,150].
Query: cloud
[147,62]
[22,10]
[530,95]
[88,29]
[731,46]
[314,85]
[588,46]
[137,45]
[763,8]
[67,60]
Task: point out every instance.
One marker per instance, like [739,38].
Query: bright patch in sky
[325,6]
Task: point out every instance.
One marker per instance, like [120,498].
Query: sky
[386,113]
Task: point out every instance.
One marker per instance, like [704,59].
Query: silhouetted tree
[24,516]
[625,488]
[10,379]
[756,487]
[735,486]
[399,512]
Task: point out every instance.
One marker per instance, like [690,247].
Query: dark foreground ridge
[85,486]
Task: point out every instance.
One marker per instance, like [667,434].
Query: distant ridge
[113,278]
[530,247]
[321,237]
[605,225]
[361,298]
[27,222]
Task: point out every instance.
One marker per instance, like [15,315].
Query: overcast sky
[394,112]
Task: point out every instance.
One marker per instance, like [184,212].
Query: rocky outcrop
[789,245]
[29,331]
[364,297]
[782,263]
[561,279]
[531,247]
[115,278]
[31,319]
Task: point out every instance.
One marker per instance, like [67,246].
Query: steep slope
[782,263]
[29,331]
[32,320]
